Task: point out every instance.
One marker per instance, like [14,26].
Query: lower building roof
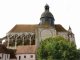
[3,49]
[27,49]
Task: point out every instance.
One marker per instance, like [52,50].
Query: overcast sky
[65,12]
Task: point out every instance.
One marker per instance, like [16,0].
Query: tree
[12,53]
[57,48]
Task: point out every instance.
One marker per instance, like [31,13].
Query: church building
[33,34]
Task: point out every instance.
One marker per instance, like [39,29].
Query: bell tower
[71,36]
[46,7]
[47,16]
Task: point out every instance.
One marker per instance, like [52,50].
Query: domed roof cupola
[47,16]
[46,7]
[46,13]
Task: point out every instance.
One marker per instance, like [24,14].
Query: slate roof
[3,49]
[47,14]
[27,49]
[31,28]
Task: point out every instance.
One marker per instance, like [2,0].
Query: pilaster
[23,41]
[8,42]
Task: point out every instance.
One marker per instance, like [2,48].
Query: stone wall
[5,57]
[63,34]
[28,56]
[44,33]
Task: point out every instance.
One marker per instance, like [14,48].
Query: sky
[65,12]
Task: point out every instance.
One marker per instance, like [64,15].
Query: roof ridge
[26,24]
[57,24]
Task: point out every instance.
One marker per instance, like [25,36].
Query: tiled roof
[23,28]
[31,28]
[3,49]
[27,49]
[60,28]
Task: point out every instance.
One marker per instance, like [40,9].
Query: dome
[47,14]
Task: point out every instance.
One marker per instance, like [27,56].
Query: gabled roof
[31,28]
[27,49]
[3,49]
[46,25]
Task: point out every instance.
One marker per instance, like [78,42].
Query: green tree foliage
[57,48]
[12,53]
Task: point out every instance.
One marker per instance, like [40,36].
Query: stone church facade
[33,34]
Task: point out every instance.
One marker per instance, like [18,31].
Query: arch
[45,34]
